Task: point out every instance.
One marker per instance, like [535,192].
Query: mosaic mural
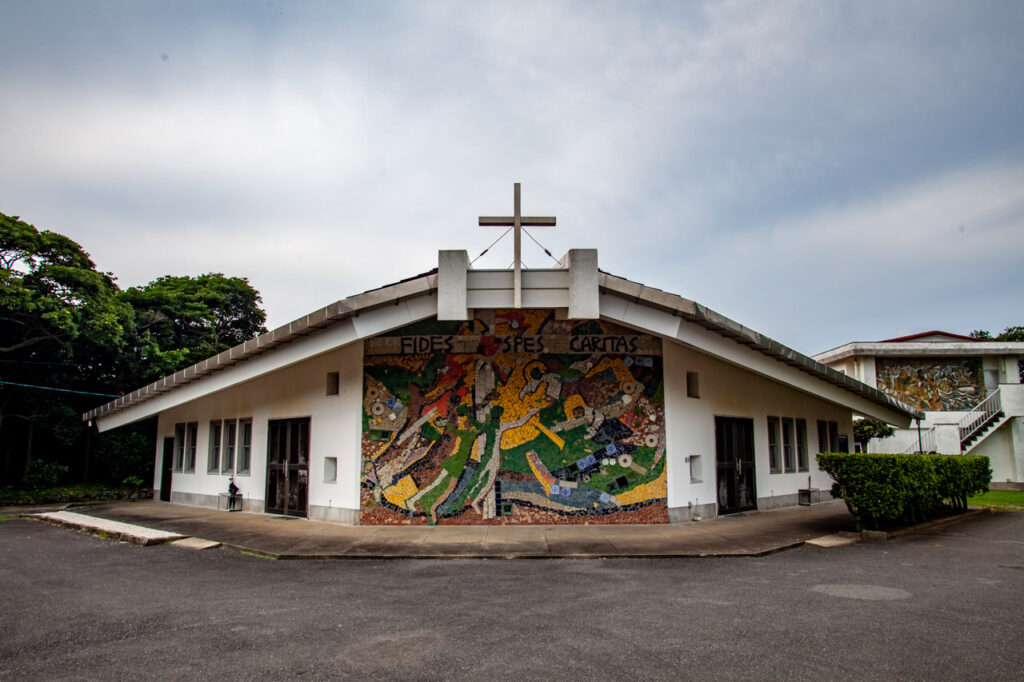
[513,417]
[933,384]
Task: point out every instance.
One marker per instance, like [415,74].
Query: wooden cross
[517,221]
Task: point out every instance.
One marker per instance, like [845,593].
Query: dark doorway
[166,467]
[734,461]
[288,466]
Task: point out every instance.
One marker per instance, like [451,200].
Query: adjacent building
[969,390]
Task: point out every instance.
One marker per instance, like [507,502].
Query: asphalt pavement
[941,604]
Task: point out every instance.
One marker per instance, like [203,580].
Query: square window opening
[330,469]
[692,385]
[333,383]
[696,475]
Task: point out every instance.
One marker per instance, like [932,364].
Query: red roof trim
[912,337]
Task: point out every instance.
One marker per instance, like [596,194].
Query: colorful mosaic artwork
[514,417]
[933,384]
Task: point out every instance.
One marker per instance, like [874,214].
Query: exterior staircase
[979,421]
[972,428]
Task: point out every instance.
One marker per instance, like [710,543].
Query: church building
[522,396]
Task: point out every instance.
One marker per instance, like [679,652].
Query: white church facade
[437,400]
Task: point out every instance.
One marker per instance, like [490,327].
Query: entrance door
[166,467]
[734,460]
[288,466]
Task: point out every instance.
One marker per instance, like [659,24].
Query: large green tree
[182,320]
[69,337]
[62,324]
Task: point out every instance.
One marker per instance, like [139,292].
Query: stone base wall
[1006,485]
[345,517]
[692,513]
[210,501]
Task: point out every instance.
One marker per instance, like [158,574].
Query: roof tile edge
[302,326]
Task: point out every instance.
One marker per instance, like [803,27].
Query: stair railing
[925,445]
[980,417]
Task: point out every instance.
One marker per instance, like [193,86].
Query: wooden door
[288,466]
[734,463]
[166,469]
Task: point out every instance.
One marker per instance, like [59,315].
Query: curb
[108,529]
[284,556]
[883,536]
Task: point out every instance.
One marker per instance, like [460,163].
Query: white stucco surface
[296,391]
[728,391]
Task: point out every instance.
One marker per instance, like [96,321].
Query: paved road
[942,605]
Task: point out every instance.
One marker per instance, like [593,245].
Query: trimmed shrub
[882,491]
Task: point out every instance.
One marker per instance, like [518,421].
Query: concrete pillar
[584,301]
[451,285]
[947,439]
[1017,444]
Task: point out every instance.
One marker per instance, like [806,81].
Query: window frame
[243,452]
[179,447]
[802,463]
[774,460]
[214,446]
[788,443]
[227,455]
[188,465]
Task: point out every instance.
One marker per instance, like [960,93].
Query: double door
[288,467]
[734,463]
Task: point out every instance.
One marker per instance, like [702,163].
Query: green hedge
[886,490]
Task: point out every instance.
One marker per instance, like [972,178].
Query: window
[333,383]
[692,385]
[787,445]
[773,445]
[801,445]
[185,447]
[179,446]
[844,443]
[213,456]
[244,445]
[330,469]
[227,461]
[828,436]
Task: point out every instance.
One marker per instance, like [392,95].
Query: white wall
[728,391]
[998,447]
[296,391]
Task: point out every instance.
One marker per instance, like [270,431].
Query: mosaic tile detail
[933,384]
[514,417]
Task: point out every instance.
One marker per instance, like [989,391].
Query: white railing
[926,443]
[980,417]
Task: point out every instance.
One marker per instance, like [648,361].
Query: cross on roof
[517,221]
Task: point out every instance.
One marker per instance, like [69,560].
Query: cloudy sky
[822,172]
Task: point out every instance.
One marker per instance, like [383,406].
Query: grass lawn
[1000,499]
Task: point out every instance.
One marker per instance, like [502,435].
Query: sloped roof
[426,284]
[934,332]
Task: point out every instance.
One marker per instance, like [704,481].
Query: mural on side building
[513,417]
[933,384]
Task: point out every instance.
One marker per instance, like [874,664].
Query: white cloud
[730,151]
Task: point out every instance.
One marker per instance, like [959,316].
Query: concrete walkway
[751,534]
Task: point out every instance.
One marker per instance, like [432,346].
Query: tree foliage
[1008,334]
[182,320]
[866,429]
[64,324]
